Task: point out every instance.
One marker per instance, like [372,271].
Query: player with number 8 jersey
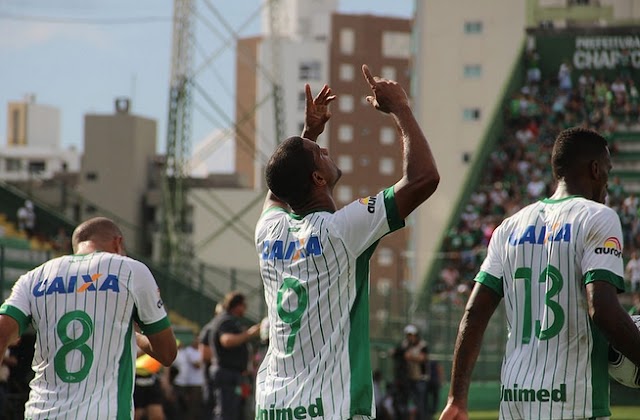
[314,263]
[83,308]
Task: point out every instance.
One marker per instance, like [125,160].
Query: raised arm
[420,175]
[316,115]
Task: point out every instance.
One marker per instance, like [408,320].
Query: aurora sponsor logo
[611,246]
[370,202]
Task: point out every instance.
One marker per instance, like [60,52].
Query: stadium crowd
[518,171]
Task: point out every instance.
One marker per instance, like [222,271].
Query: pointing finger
[307,90]
[367,75]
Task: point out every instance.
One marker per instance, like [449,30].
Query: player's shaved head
[99,230]
[289,171]
[575,147]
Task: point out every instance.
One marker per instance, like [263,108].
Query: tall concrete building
[117,168]
[33,149]
[308,42]
[465,53]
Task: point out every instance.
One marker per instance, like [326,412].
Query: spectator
[189,380]
[5,372]
[27,219]
[632,271]
[415,352]
[147,392]
[635,309]
[207,356]
[228,347]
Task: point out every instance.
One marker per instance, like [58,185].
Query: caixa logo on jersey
[294,250]
[77,284]
[611,246]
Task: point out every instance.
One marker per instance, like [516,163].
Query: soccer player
[83,308]
[558,265]
[314,262]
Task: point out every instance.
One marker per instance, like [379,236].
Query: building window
[388,72]
[347,41]
[472,71]
[310,70]
[345,133]
[345,163]
[386,166]
[396,44]
[91,176]
[302,100]
[473,27]
[346,72]
[37,166]
[345,103]
[385,257]
[344,193]
[387,135]
[471,114]
[13,165]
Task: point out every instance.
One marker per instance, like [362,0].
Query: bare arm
[229,340]
[205,353]
[316,115]
[9,333]
[612,320]
[161,345]
[420,175]
[480,307]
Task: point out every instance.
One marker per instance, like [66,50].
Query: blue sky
[79,55]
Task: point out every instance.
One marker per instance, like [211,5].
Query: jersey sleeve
[150,313]
[491,271]
[17,306]
[602,257]
[364,221]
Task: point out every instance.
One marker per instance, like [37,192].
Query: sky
[79,55]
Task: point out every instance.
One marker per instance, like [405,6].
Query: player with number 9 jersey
[83,308]
[315,271]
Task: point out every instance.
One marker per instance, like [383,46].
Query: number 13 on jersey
[555,277]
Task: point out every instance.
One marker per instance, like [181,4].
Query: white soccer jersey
[540,260]
[315,271]
[83,308]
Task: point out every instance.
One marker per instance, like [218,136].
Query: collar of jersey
[559,200]
[302,216]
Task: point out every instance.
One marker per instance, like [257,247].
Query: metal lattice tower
[175,248]
[275,16]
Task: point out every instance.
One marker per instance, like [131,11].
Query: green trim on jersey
[393,217]
[604,275]
[492,282]
[155,327]
[15,313]
[125,378]
[599,373]
[274,208]
[359,358]
[559,200]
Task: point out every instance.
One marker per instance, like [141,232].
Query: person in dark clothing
[227,348]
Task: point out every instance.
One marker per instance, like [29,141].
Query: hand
[254,330]
[316,112]
[453,412]
[388,95]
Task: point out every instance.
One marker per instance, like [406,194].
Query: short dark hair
[575,146]
[289,171]
[232,299]
[97,229]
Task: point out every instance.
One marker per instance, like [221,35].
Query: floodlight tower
[175,248]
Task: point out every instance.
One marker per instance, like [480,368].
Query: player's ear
[318,179]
